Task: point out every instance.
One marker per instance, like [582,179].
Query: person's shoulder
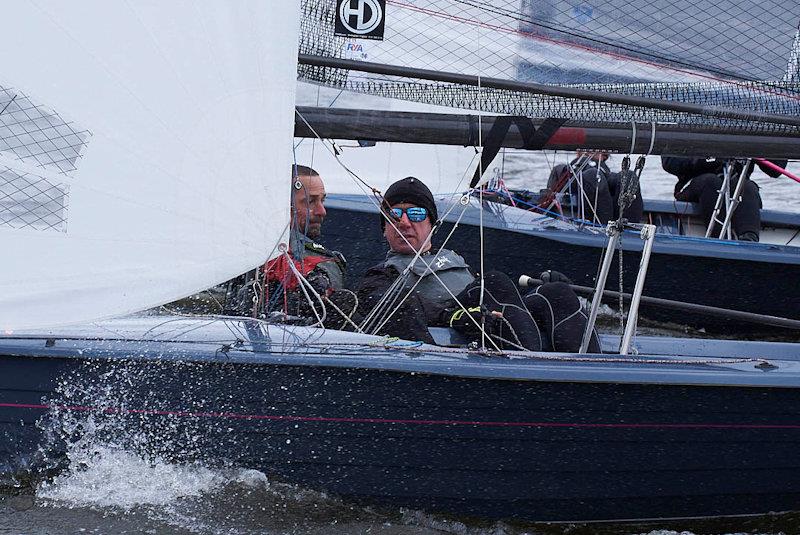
[320,250]
[377,268]
[455,259]
[443,260]
[376,279]
[383,268]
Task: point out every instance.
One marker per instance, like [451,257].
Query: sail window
[37,135]
[28,201]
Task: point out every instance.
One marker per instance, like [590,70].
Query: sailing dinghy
[172,127]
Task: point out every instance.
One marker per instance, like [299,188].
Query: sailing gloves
[554,276]
[467,321]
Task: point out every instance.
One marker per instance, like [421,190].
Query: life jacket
[332,263]
[451,271]
[278,270]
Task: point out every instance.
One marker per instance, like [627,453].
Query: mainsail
[729,54]
[145,150]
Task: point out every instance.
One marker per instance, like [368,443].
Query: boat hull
[444,434]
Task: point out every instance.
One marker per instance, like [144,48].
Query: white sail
[145,151]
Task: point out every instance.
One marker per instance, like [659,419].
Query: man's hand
[554,276]
[468,320]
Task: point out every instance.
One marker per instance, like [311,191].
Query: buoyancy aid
[312,256]
[452,273]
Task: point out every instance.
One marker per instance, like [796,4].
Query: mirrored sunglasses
[415,213]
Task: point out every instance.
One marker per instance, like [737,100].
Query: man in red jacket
[275,287]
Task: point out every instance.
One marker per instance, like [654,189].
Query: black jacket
[407,322]
[688,168]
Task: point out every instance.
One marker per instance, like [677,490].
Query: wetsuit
[592,181]
[600,185]
[550,318]
[426,304]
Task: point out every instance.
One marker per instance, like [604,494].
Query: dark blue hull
[756,278]
[489,437]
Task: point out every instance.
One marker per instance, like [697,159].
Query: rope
[303,283]
[574,171]
[347,317]
[428,268]
[400,282]
[518,343]
[388,299]
[621,288]
[480,222]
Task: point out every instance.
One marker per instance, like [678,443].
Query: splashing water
[122,463]
[112,477]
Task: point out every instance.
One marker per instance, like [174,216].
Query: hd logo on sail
[364,19]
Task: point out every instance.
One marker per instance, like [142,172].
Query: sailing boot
[748,236]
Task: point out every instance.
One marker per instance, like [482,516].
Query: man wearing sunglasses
[415,288]
[409,212]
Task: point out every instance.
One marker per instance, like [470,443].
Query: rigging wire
[405,274]
[389,298]
[420,278]
[464,201]
[480,212]
[574,172]
[330,105]
[313,140]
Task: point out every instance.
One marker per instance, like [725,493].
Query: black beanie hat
[410,190]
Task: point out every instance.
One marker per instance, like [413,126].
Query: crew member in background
[597,186]
[700,180]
